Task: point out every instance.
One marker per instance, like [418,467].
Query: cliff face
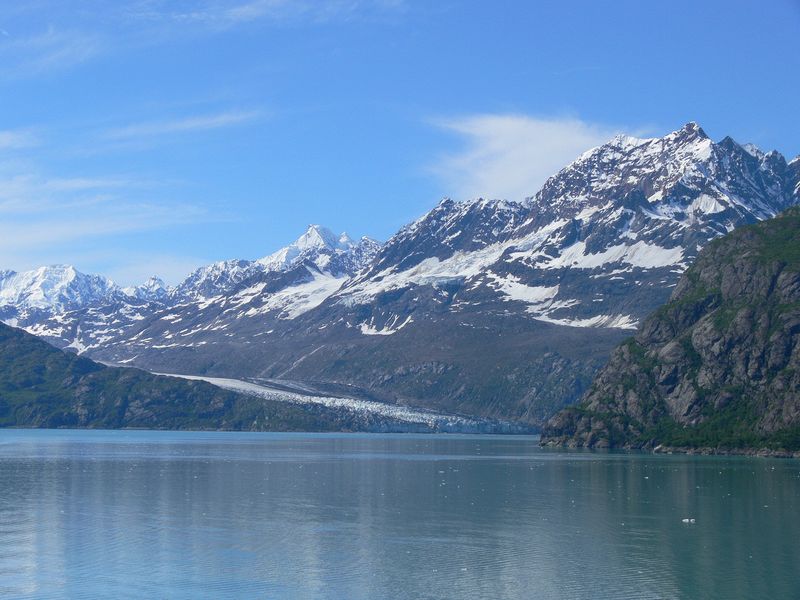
[717,367]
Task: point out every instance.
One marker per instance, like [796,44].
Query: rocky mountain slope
[599,242]
[41,386]
[718,366]
[492,308]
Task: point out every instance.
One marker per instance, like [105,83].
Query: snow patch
[641,254]
[295,300]
[610,321]
[511,287]
[389,329]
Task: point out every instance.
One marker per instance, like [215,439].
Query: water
[227,515]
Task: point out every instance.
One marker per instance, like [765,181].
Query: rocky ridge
[717,367]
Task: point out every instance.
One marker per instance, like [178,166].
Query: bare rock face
[718,366]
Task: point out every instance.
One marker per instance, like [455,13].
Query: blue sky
[153,137]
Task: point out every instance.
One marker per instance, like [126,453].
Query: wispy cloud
[26,193]
[235,12]
[119,219]
[50,50]
[151,129]
[13,139]
[52,219]
[40,210]
[68,36]
[223,14]
[47,217]
[510,155]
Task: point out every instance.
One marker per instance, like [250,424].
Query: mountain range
[489,308]
[42,386]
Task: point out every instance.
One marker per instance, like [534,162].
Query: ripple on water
[158,514]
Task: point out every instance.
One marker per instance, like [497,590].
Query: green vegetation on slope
[41,386]
[718,366]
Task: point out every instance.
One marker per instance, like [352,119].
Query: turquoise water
[228,515]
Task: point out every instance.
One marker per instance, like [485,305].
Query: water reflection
[188,515]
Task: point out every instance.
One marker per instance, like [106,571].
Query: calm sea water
[228,515]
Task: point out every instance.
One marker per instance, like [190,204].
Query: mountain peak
[318,244]
[154,285]
[622,140]
[152,289]
[317,236]
[444,203]
[680,175]
[154,280]
[345,240]
[689,138]
[56,269]
[691,130]
[53,286]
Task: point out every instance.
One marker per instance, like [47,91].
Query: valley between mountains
[488,309]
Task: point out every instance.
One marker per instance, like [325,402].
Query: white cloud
[50,50]
[81,34]
[223,14]
[25,194]
[241,12]
[185,125]
[13,139]
[96,219]
[57,230]
[53,220]
[510,156]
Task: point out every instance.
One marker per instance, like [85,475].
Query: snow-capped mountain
[487,307]
[793,174]
[318,248]
[338,255]
[59,287]
[314,242]
[214,279]
[598,246]
[682,176]
[281,286]
[154,289]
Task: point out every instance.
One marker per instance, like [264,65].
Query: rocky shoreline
[662,449]
[760,452]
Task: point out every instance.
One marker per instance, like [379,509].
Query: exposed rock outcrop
[717,367]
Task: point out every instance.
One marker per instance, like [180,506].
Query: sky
[152,137]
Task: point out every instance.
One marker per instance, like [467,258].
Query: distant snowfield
[436,421]
[296,300]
